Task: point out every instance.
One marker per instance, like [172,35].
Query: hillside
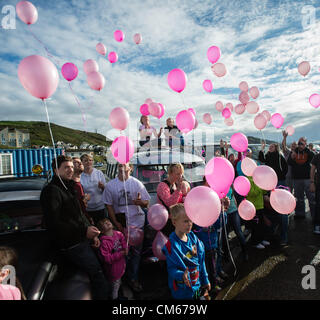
[39,133]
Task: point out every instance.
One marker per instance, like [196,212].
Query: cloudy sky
[261,42]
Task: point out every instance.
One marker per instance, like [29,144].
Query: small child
[187,274]
[113,249]
[185,188]
[8,258]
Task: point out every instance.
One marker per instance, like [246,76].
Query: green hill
[39,133]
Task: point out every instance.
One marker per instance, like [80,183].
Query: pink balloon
[243,86]
[137,38]
[239,108]
[265,177]
[246,210]
[144,109]
[229,105]
[118,35]
[219,106]
[100,47]
[248,166]
[39,76]
[244,97]
[185,121]
[304,68]
[219,174]
[260,121]
[122,149]
[219,69]
[226,113]
[162,111]
[242,185]
[254,92]
[213,54]
[112,57]
[277,120]
[177,80]
[202,206]
[207,85]
[239,142]
[27,12]
[252,107]
[90,66]
[282,201]
[148,101]
[266,114]
[228,121]
[119,118]
[96,80]
[69,71]
[157,216]
[290,130]
[315,100]
[158,243]
[154,109]
[192,110]
[207,118]
[135,235]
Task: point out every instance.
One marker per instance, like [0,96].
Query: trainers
[265,243]
[316,230]
[135,285]
[223,275]
[259,246]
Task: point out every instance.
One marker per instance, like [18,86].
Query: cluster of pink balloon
[218,69]
[157,218]
[153,108]
[95,79]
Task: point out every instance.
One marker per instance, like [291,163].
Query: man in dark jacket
[300,160]
[68,226]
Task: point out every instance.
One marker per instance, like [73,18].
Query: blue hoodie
[179,257]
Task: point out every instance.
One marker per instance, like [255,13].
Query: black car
[43,273]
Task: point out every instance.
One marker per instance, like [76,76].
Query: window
[6,167]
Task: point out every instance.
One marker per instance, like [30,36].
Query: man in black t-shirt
[315,187]
[173,134]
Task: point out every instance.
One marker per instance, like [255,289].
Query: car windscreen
[194,172]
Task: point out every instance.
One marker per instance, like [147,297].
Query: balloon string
[46,49]
[263,138]
[54,149]
[78,102]
[125,195]
[182,99]
[279,150]
[227,240]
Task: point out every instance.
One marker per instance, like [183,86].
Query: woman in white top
[93,183]
[146,131]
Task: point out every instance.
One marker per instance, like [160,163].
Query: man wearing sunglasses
[300,160]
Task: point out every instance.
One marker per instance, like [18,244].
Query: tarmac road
[275,273]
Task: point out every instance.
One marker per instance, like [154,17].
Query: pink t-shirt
[163,193]
[114,260]
[8,292]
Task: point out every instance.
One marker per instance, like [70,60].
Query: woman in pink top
[113,250]
[169,192]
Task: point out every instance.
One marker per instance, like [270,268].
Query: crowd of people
[89,219]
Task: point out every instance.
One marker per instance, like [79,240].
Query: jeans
[133,262]
[83,256]
[236,225]
[284,219]
[317,208]
[301,188]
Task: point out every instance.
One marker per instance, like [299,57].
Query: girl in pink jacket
[113,250]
